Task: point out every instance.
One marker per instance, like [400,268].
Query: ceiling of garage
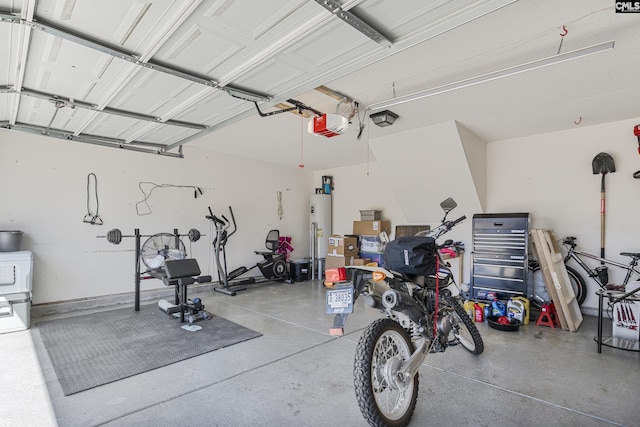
[154,75]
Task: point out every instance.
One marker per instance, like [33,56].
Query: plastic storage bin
[300,271]
[371,244]
[15,312]
[370,215]
[16,272]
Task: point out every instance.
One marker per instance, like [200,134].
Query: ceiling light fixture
[383,118]
[529,66]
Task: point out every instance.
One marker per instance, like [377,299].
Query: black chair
[273,266]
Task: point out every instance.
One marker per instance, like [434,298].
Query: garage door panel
[213,108]
[111,126]
[41,112]
[131,25]
[228,32]
[165,134]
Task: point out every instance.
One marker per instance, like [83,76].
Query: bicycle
[599,274]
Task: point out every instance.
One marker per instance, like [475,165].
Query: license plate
[340,300]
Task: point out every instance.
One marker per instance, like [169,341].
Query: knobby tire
[373,336]
[464,321]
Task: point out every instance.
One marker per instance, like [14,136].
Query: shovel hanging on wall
[602,164]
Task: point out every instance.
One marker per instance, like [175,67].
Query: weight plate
[194,235]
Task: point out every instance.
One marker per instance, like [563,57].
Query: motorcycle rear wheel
[383,399]
[464,329]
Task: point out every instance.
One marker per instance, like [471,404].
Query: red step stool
[548,316]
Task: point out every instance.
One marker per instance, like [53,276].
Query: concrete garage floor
[298,375]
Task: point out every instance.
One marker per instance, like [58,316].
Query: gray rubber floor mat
[95,349]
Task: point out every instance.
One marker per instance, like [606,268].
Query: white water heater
[320,222]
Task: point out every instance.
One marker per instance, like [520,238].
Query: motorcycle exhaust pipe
[444,325]
[394,300]
[390,299]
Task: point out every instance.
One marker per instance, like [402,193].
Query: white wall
[360,187]
[44,193]
[548,175]
[44,184]
[368,186]
[432,162]
[551,176]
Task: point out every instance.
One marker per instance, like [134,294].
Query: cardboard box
[340,245]
[336,261]
[371,228]
[410,230]
[360,261]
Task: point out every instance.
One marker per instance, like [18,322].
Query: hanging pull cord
[89,218]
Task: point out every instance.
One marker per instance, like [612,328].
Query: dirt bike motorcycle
[423,314]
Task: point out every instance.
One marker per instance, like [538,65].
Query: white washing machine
[16,283]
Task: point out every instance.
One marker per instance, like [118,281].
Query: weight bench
[180,274]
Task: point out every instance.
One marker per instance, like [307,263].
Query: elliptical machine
[273,265]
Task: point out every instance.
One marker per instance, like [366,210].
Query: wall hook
[577,122]
[562,34]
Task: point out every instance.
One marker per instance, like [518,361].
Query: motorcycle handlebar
[462,218]
[445,227]
[450,224]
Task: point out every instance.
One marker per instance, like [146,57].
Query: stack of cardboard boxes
[371,246]
[361,247]
[342,251]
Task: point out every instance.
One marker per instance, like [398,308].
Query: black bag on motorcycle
[413,255]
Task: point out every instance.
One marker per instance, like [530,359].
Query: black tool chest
[500,255]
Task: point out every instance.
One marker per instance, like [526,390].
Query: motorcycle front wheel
[464,330]
[384,398]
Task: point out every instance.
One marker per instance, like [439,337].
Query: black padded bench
[180,274]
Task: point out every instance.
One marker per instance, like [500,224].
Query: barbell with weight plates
[115,236]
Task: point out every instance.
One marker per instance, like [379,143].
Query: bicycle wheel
[539,290]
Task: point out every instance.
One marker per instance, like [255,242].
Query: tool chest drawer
[500,255]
